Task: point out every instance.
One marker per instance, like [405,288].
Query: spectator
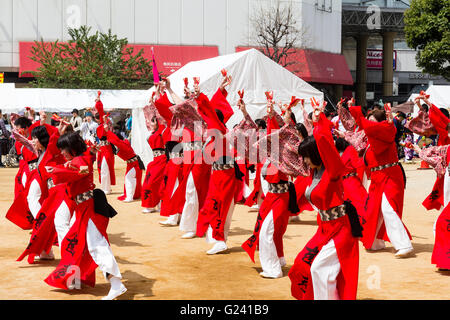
[76,120]
[88,128]
[4,139]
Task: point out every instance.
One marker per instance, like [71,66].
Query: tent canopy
[65,100]
[251,71]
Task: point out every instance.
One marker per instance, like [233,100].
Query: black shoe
[2,165]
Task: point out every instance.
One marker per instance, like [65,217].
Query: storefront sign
[375,59]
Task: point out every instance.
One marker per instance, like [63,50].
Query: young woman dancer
[382,218]
[85,245]
[327,268]
[280,200]
[154,175]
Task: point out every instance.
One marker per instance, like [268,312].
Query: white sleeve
[34,194]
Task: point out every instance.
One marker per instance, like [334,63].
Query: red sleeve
[272,124]
[205,109]
[61,174]
[51,147]
[382,131]
[439,120]
[327,149]
[101,112]
[219,101]
[163,104]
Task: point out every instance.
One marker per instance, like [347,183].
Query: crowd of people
[201,169]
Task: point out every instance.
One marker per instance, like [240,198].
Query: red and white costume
[53,219]
[273,215]
[154,175]
[133,173]
[382,217]
[105,155]
[215,215]
[86,244]
[327,268]
[173,172]
[439,158]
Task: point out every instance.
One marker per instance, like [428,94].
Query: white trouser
[247,190]
[130,184]
[105,176]
[395,229]
[34,194]
[188,222]
[209,236]
[24,179]
[324,272]
[62,221]
[268,256]
[101,252]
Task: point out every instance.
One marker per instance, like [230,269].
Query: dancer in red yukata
[280,200]
[86,244]
[53,219]
[154,175]
[215,216]
[382,217]
[133,173]
[105,154]
[327,268]
[173,172]
[439,158]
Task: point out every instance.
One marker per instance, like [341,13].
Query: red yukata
[439,159]
[154,176]
[219,203]
[44,233]
[173,172]
[353,187]
[126,153]
[273,218]
[326,194]
[386,176]
[75,256]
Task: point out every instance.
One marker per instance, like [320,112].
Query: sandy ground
[157,264]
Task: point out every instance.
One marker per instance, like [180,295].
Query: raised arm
[327,149]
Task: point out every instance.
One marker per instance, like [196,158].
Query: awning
[318,66]
[168,58]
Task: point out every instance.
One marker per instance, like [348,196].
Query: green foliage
[427,28]
[98,61]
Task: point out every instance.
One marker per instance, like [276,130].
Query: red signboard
[317,66]
[168,58]
[375,59]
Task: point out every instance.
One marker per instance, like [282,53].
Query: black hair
[379,115]
[116,131]
[308,149]
[261,123]
[425,107]
[302,129]
[75,111]
[445,112]
[341,144]
[310,115]
[23,122]
[73,143]
[219,114]
[293,118]
[401,114]
[41,134]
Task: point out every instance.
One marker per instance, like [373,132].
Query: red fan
[387,107]
[99,93]
[186,82]
[196,80]
[269,95]
[241,94]
[423,93]
[224,72]
[59,119]
[294,102]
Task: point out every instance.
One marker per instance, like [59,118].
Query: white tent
[251,71]
[65,100]
[439,96]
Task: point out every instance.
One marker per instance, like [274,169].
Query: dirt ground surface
[157,264]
